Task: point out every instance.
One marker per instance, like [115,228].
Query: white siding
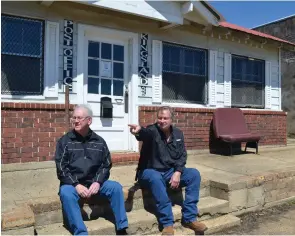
[275,86]
[51,59]
[212,78]
[220,80]
[227,79]
[268,85]
[157,71]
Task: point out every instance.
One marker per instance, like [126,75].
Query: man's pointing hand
[134,129]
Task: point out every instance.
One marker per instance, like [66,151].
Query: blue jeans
[110,189]
[157,182]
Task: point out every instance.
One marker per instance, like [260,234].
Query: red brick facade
[30,130]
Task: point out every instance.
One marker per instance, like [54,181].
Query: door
[106,78]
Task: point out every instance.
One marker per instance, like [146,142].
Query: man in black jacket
[83,165]
[162,161]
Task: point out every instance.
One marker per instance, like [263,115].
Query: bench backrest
[229,121]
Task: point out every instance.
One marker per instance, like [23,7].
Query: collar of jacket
[172,139]
[75,136]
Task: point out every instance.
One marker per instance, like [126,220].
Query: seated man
[162,161]
[83,165]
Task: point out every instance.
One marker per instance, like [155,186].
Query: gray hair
[86,108]
[166,108]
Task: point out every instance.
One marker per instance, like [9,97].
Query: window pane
[22,36]
[118,88]
[188,70]
[93,85]
[93,49]
[188,57]
[32,45]
[183,88]
[22,56]
[247,95]
[118,70]
[118,53]
[25,79]
[93,67]
[106,51]
[171,55]
[106,86]
[184,74]
[247,82]
[201,62]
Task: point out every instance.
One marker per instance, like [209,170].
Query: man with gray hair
[162,162]
[83,164]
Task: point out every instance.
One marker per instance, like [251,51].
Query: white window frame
[180,104]
[47,62]
[265,81]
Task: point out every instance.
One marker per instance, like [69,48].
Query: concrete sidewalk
[232,168]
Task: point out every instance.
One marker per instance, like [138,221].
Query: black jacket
[156,153]
[82,160]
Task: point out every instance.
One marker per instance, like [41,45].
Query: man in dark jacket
[162,161]
[83,165]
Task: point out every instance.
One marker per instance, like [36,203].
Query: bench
[229,126]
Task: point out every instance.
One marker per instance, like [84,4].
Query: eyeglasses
[74,118]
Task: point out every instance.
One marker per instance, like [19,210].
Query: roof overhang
[253,33]
[197,12]
[171,13]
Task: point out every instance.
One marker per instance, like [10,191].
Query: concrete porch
[230,186]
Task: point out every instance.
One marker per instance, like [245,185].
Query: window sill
[185,105]
[23,97]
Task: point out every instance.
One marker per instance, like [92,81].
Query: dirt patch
[275,220]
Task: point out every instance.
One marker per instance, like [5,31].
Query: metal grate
[248,82]
[184,74]
[21,56]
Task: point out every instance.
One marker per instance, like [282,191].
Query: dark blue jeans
[157,182]
[110,189]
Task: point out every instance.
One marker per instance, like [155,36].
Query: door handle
[126,99]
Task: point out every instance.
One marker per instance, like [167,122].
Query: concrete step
[47,210]
[214,225]
[39,179]
[142,221]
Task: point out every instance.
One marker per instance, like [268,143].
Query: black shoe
[121,232]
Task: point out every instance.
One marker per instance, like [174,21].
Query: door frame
[132,80]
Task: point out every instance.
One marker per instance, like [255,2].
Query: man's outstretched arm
[140,133]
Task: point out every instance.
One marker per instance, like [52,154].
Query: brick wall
[29,131]
[197,128]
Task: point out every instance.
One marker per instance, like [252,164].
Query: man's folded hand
[82,190]
[94,188]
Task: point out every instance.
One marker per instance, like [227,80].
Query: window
[22,56]
[105,68]
[184,74]
[248,82]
